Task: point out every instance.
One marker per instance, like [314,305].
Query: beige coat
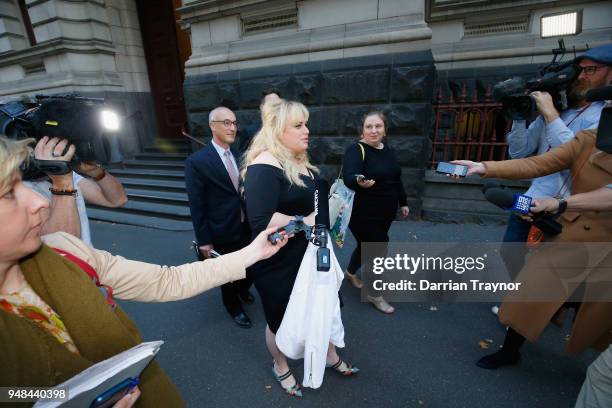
[591,169]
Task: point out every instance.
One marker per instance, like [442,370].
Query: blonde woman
[279,185]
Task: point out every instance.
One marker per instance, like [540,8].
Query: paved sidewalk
[416,357]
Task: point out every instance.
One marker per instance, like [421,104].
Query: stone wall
[337,93]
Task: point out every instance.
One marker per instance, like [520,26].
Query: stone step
[178,198]
[153,184]
[150,173]
[186,150]
[154,164]
[142,220]
[173,211]
[162,156]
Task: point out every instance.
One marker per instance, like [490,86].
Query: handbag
[341,206]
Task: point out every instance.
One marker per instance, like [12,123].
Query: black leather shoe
[498,359]
[247,297]
[243,320]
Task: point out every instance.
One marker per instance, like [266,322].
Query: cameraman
[68,193]
[551,129]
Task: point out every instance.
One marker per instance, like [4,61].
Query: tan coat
[591,169]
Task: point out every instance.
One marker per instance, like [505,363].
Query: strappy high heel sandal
[350,369]
[354,279]
[295,390]
[380,304]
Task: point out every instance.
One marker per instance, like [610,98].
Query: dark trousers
[231,290]
[513,255]
[368,231]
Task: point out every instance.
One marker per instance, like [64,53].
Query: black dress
[374,208]
[267,191]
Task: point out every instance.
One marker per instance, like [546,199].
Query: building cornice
[55,47]
[415,33]
[454,10]
[206,10]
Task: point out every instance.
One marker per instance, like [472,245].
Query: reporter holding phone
[378,194]
[54,321]
[591,170]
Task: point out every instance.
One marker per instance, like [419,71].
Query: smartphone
[196,249]
[110,397]
[360,177]
[452,169]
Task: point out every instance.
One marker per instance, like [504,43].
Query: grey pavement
[417,357]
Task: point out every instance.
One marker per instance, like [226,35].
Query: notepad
[84,387]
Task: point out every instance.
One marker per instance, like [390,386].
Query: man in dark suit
[217,211]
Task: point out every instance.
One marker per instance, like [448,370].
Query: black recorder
[452,169]
[318,234]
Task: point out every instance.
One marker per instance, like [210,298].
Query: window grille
[506,27]
[253,25]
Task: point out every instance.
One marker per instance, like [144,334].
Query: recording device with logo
[554,78]
[452,169]
[521,204]
[319,233]
[82,121]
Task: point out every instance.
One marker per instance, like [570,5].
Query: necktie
[231,170]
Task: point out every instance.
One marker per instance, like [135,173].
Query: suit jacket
[215,204]
[591,169]
[245,136]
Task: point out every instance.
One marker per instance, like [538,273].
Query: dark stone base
[337,93]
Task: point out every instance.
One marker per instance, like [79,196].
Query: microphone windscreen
[599,94]
[500,197]
[321,203]
[490,184]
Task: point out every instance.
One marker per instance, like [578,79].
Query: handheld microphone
[491,184]
[506,200]
[321,227]
[603,93]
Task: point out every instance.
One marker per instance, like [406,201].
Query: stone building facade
[339,57]
[93,48]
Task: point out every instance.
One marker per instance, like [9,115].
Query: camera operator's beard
[577,93]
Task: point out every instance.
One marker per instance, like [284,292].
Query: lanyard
[580,112]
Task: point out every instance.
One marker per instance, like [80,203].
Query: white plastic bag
[340,209]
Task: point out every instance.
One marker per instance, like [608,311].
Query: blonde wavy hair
[276,116]
[12,154]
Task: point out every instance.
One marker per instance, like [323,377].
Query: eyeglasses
[227,123]
[591,69]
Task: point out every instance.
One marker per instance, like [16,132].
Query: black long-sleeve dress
[267,191]
[374,208]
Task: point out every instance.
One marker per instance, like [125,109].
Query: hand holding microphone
[522,204]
